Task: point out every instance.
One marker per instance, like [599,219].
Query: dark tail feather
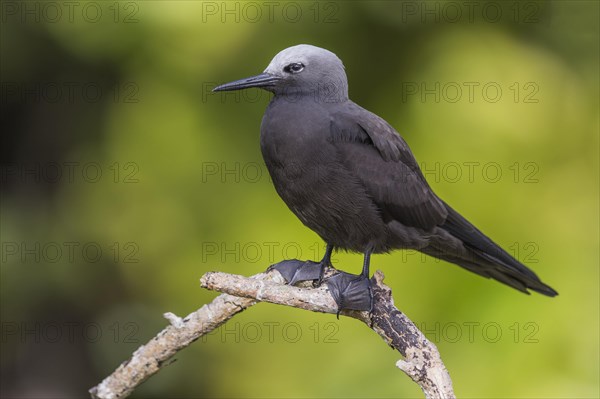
[481,255]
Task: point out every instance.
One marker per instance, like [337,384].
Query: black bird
[350,177]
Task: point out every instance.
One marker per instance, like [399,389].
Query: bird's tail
[462,243]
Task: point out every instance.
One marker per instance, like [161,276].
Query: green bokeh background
[184,191]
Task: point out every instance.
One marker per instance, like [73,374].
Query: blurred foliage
[183,190]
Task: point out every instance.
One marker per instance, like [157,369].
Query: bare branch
[148,359]
[422,360]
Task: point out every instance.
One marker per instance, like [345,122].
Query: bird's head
[297,71]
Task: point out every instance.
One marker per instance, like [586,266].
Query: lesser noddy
[351,178]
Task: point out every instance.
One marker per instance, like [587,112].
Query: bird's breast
[307,173]
[291,132]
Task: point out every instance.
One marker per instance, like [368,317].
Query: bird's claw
[351,291]
[294,270]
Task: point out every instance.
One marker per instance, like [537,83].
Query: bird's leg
[294,270]
[351,291]
[366,263]
[326,261]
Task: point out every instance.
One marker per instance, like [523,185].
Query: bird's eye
[295,67]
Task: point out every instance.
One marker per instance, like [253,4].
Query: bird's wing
[382,161]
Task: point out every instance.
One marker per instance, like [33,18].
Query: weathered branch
[422,360]
[148,359]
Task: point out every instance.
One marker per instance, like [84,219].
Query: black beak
[262,81]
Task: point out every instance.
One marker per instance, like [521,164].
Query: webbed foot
[294,270]
[351,291]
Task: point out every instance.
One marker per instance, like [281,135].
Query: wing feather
[382,161]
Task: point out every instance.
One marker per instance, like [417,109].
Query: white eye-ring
[295,67]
